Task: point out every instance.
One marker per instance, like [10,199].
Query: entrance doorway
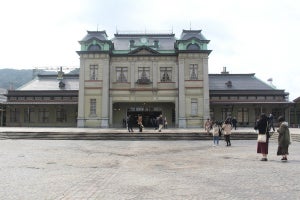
[149,117]
[149,111]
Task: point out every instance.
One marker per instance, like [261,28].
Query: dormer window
[94,47]
[131,43]
[61,84]
[193,47]
[155,43]
[229,84]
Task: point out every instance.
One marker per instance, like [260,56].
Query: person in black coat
[262,127]
[130,123]
[234,123]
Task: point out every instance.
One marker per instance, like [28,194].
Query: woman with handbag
[283,139]
[263,136]
[227,131]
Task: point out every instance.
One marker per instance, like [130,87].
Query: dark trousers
[227,139]
[141,128]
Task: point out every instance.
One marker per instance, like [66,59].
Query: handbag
[262,138]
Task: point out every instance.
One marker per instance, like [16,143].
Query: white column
[181,95]
[81,98]
[155,74]
[105,95]
[206,108]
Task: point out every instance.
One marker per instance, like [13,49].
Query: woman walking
[227,131]
[216,129]
[262,127]
[283,139]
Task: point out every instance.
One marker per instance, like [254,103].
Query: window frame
[121,74]
[94,72]
[193,71]
[168,72]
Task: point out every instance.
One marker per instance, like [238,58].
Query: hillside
[14,78]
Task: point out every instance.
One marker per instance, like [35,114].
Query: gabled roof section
[50,82]
[297,100]
[143,50]
[95,41]
[192,41]
[189,34]
[99,35]
[165,41]
[228,82]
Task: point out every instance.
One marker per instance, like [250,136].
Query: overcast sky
[246,36]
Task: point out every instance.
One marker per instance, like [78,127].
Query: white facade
[145,74]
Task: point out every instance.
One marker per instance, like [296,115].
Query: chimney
[224,71]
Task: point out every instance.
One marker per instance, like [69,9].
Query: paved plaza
[136,170]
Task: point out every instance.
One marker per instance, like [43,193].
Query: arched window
[193,47]
[94,47]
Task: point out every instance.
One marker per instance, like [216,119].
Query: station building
[147,74]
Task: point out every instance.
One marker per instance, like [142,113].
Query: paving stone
[68,169]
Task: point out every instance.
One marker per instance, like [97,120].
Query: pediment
[144,50]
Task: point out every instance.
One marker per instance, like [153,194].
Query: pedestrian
[283,139]
[234,122]
[271,122]
[227,131]
[160,123]
[130,123]
[140,123]
[165,123]
[207,125]
[216,131]
[262,127]
[124,123]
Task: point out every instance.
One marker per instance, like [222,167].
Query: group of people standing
[219,129]
[160,122]
[264,125]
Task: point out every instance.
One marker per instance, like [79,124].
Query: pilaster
[181,95]
[105,94]
[81,97]
[206,108]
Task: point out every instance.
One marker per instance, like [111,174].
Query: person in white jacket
[227,131]
[216,131]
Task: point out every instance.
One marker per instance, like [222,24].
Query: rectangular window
[92,107]
[144,73]
[194,107]
[212,113]
[61,115]
[166,74]
[43,115]
[243,115]
[226,112]
[122,73]
[193,72]
[28,115]
[14,115]
[93,72]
